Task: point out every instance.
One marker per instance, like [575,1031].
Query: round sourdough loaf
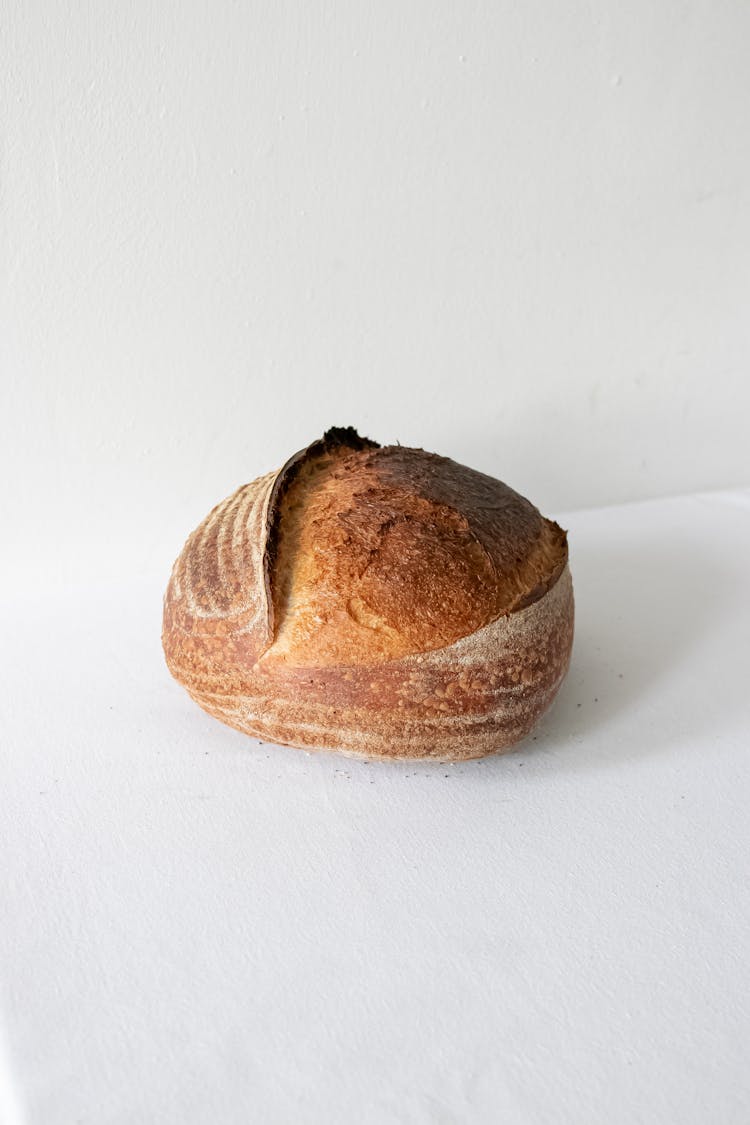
[379,601]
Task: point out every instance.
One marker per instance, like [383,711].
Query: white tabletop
[200,929]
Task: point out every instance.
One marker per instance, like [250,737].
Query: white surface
[199,929]
[489,229]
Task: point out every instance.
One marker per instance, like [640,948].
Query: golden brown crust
[380,601]
[385,552]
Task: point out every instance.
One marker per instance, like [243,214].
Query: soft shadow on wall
[644,602]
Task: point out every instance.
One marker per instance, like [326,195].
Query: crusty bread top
[374,553]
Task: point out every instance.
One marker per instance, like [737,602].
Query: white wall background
[515,233]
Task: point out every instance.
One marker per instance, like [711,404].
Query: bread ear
[334,440]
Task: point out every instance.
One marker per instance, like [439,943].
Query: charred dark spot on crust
[336,438]
[341,437]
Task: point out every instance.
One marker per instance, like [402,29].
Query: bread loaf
[380,601]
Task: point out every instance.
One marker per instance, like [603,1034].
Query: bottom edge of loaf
[369,756]
[371,746]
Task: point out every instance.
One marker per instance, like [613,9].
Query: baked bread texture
[379,601]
